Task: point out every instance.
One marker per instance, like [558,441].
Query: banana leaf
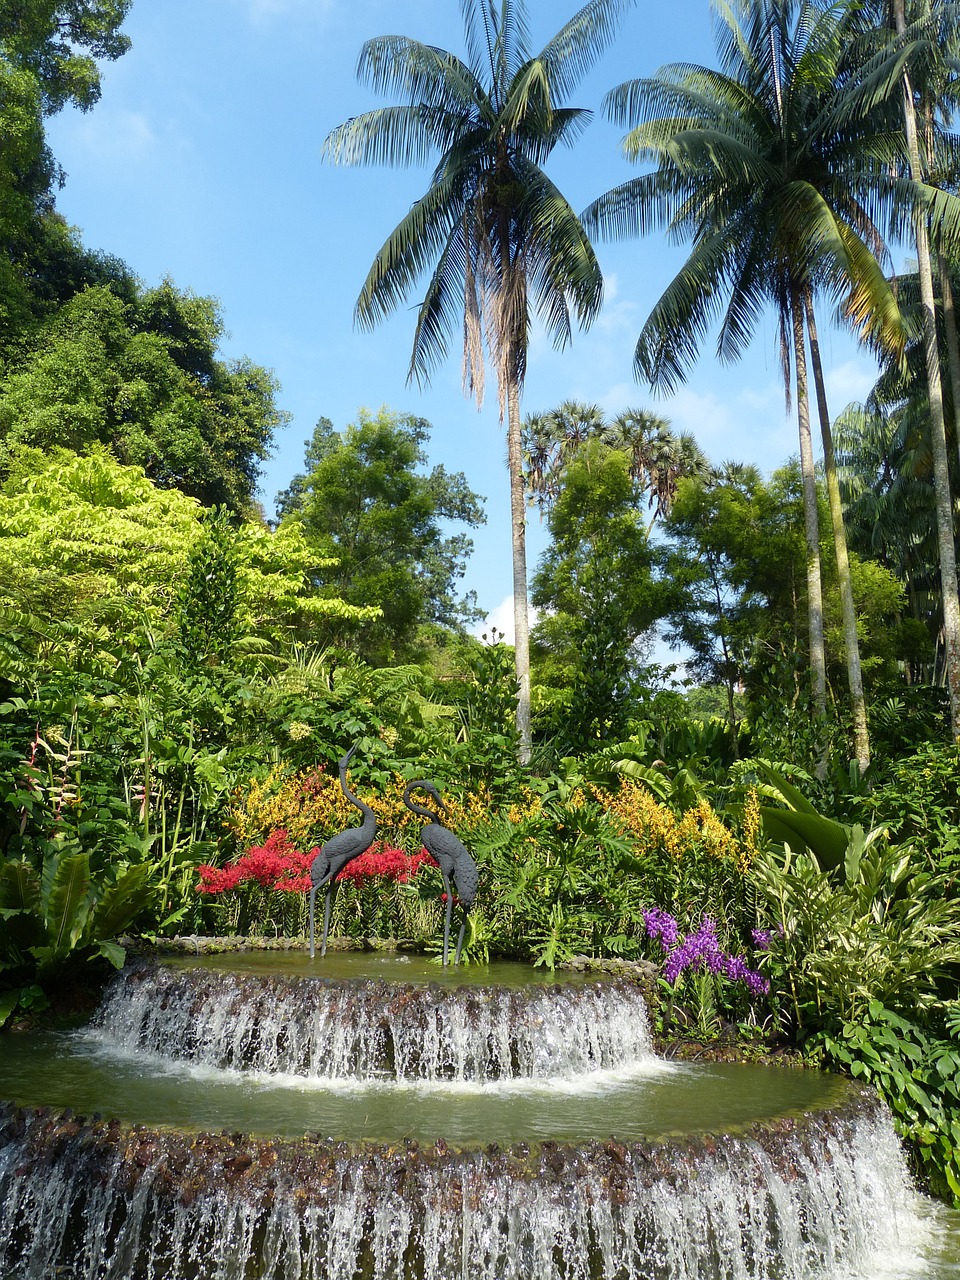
[812,833]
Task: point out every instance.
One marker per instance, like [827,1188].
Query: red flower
[386,862]
[276,864]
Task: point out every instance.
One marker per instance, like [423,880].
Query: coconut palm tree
[781,203]
[924,40]
[497,240]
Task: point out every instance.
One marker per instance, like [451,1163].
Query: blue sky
[202,162]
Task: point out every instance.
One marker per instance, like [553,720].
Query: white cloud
[501,617]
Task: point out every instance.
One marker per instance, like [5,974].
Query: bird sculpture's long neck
[369,817]
[421,810]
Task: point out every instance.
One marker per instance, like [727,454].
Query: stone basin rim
[848,1102]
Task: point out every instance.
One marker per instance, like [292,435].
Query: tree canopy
[143,378]
[368,504]
[95,547]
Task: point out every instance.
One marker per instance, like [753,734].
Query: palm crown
[501,239]
[497,239]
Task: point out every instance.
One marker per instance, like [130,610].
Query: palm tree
[925,35]
[498,239]
[781,203]
[659,458]
[551,439]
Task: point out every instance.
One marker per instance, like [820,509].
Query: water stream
[250,1120]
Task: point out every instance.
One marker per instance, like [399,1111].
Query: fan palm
[658,457]
[496,238]
[549,442]
[781,202]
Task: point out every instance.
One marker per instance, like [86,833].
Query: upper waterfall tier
[372,1030]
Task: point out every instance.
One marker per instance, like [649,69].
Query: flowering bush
[699,951]
[701,955]
[310,807]
[268,873]
[276,864]
[385,862]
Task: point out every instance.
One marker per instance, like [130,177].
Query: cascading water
[821,1192]
[375,1030]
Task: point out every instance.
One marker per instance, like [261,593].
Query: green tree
[59,41]
[376,516]
[94,554]
[780,203]
[737,560]
[49,52]
[600,596]
[143,378]
[500,240]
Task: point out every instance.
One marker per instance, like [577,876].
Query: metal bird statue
[453,859]
[340,849]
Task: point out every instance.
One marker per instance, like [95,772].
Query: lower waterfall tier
[825,1195]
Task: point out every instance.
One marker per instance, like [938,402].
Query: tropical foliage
[775,855]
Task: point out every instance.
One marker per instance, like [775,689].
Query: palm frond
[416,241]
[394,136]
[420,74]
[574,50]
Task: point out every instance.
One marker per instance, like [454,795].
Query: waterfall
[374,1030]
[801,1199]
[816,1195]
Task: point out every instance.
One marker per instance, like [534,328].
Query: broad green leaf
[825,839]
[66,905]
[8,1002]
[120,903]
[113,952]
[788,793]
[19,886]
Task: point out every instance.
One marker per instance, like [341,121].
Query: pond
[372,1116]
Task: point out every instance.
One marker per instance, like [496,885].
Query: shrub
[264,891]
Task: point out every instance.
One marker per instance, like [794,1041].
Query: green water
[378,966]
[67,1070]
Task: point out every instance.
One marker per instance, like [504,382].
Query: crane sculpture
[452,857]
[340,849]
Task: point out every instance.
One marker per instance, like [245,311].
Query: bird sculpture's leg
[313,899]
[326,919]
[446,920]
[463,927]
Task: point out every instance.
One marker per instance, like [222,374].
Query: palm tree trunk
[818,661]
[851,644]
[521,616]
[938,435]
[953,344]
